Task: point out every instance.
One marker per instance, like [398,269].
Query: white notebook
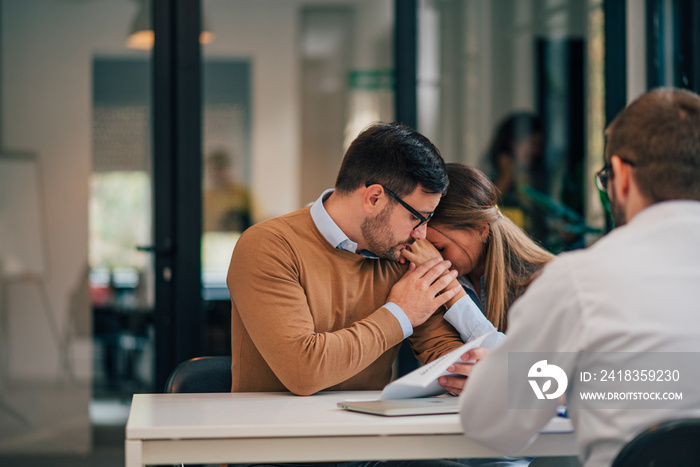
[414,393]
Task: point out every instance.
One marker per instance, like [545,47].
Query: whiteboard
[21,216]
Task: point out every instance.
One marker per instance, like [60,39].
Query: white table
[280,427]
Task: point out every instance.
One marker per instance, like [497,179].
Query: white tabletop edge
[255,415]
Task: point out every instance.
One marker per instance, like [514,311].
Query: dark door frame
[179,320]
[406,61]
[615,13]
[684,46]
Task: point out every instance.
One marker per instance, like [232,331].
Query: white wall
[46,56]
[46,84]
[47,51]
[267,32]
[636,49]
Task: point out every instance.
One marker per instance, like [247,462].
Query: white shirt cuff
[401,316]
[471,323]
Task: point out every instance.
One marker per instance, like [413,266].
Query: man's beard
[375,231]
[618,212]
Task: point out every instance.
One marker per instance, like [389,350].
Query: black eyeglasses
[603,175]
[423,219]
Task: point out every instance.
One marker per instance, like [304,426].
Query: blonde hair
[512,259]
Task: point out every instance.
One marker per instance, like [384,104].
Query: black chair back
[201,374]
[674,443]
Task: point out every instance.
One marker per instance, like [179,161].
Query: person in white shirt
[620,319]
[495,259]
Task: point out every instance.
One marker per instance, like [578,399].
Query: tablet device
[401,407]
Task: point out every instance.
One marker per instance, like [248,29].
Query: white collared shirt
[634,292]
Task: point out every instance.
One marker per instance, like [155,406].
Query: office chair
[667,444]
[201,374]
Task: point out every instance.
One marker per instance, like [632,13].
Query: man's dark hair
[660,133]
[395,156]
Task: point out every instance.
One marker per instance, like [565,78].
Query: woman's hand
[461,371]
[420,252]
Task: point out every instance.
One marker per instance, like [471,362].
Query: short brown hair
[395,156]
[660,133]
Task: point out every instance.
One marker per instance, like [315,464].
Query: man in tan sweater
[319,298]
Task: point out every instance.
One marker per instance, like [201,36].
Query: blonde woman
[496,261]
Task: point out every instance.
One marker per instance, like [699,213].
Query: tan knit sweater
[308,317]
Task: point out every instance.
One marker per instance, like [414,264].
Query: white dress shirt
[635,291]
[468,319]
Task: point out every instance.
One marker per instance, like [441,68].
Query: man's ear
[622,174]
[372,199]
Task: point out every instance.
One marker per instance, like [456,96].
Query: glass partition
[287,85]
[75,103]
[514,87]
